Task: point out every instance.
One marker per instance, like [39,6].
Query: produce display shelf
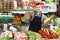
[15,10]
[51,39]
[22,11]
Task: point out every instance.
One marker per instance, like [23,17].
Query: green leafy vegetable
[33,35]
[5,36]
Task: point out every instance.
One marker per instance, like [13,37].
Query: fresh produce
[33,35]
[48,19]
[0,6]
[32,4]
[53,35]
[46,33]
[17,19]
[23,19]
[57,29]
[20,36]
[27,15]
[5,36]
[43,34]
[53,19]
[25,3]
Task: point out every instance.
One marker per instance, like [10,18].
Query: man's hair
[38,4]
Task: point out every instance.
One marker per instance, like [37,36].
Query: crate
[8,5]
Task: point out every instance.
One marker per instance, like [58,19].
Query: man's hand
[47,20]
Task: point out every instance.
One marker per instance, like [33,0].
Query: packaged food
[9,4]
[25,3]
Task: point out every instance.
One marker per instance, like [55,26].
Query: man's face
[38,7]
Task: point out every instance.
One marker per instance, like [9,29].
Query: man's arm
[32,16]
[44,19]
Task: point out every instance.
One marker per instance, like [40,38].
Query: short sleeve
[43,17]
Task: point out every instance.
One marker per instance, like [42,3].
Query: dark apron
[35,24]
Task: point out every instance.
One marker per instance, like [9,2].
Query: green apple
[23,19]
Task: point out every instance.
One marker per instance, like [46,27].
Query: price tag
[5,27]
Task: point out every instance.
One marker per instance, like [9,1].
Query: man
[37,20]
